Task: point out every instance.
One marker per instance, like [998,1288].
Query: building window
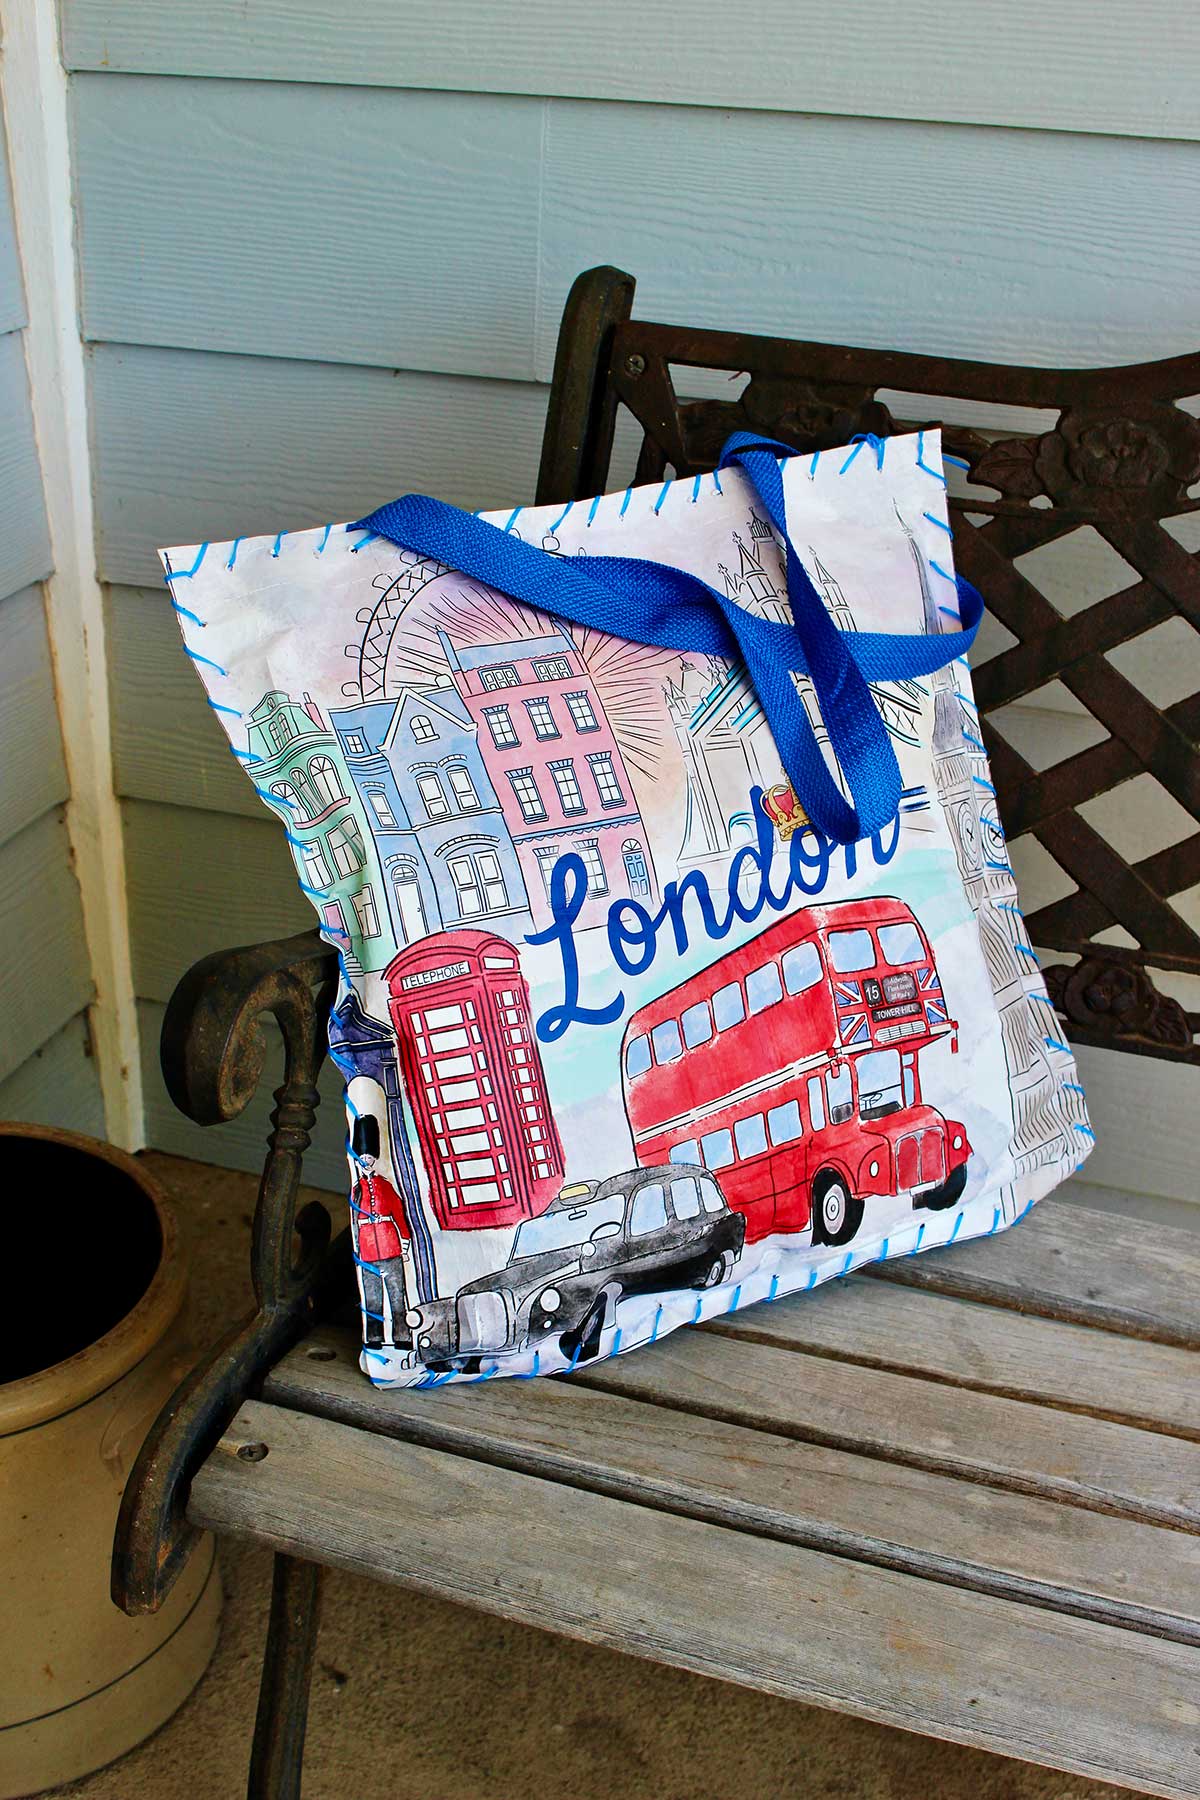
[379,806]
[541,718]
[282,792]
[604,775]
[552,668]
[637,869]
[593,862]
[526,790]
[368,918]
[324,778]
[303,809]
[500,675]
[430,789]
[582,712]
[569,793]
[463,789]
[356,744]
[281,730]
[316,869]
[479,884]
[499,723]
[346,847]
[547,855]
[422,728]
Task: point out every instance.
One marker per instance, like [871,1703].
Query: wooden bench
[958,1493]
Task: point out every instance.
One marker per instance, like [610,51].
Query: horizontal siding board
[33,777]
[12,291]
[24,533]
[44,979]
[190,446]
[1124,68]
[1146,1121]
[240,1144]
[245,217]
[168,744]
[199,882]
[342,224]
[57,1085]
[1004,246]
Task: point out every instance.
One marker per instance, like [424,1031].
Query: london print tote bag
[682,963]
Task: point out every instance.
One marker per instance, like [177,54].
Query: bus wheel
[837,1215]
[939,1198]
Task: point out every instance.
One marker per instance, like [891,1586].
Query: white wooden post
[35,105]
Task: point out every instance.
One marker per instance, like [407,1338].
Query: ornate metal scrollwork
[1113,1000]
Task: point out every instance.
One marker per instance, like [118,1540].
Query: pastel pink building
[553,760]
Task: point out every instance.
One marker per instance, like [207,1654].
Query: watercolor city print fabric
[627,1043]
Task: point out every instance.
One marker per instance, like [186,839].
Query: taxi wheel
[717,1271]
[837,1215]
[583,1344]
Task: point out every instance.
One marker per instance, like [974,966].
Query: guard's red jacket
[382,1227]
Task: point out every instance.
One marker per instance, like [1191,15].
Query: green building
[301,767]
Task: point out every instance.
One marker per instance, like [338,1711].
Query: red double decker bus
[790,1069]
[473,1073]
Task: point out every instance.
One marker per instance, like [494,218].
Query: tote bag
[681,960]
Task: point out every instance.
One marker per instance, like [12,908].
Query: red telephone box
[474,1079]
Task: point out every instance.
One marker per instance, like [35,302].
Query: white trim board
[34,87]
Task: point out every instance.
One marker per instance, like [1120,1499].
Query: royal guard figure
[382,1234]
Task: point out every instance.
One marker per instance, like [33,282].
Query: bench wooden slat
[1009,1544]
[992,1349]
[1003,1443]
[1086,1697]
[1070,1262]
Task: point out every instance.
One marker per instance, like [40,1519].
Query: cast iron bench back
[1121,458]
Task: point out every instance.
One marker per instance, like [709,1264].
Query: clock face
[968,839]
[992,838]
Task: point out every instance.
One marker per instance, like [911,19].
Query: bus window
[763,987]
[697,1024]
[851,951]
[717,1149]
[901,944]
[879,1091]
[841,1096]
[750,1135]
[687,1152]
[783,1122]
[637,1057]
[713,1198]
[816,1103]
[685,1196]
[801,967]
[910,1083]
[649,1210]
[666,1040]
[727,1006]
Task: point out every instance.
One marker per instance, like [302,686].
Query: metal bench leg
[278,1753]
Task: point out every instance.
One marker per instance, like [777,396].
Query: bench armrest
[213,1054]
[212,1048]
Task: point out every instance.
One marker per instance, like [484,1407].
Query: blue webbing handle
[655,603]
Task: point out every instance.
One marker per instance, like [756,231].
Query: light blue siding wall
[46,1071]
[323,264]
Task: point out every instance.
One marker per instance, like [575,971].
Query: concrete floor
[414,1699]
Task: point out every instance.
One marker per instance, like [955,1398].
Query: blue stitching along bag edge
[681,959]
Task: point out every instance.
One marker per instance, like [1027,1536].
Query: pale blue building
[439,831]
